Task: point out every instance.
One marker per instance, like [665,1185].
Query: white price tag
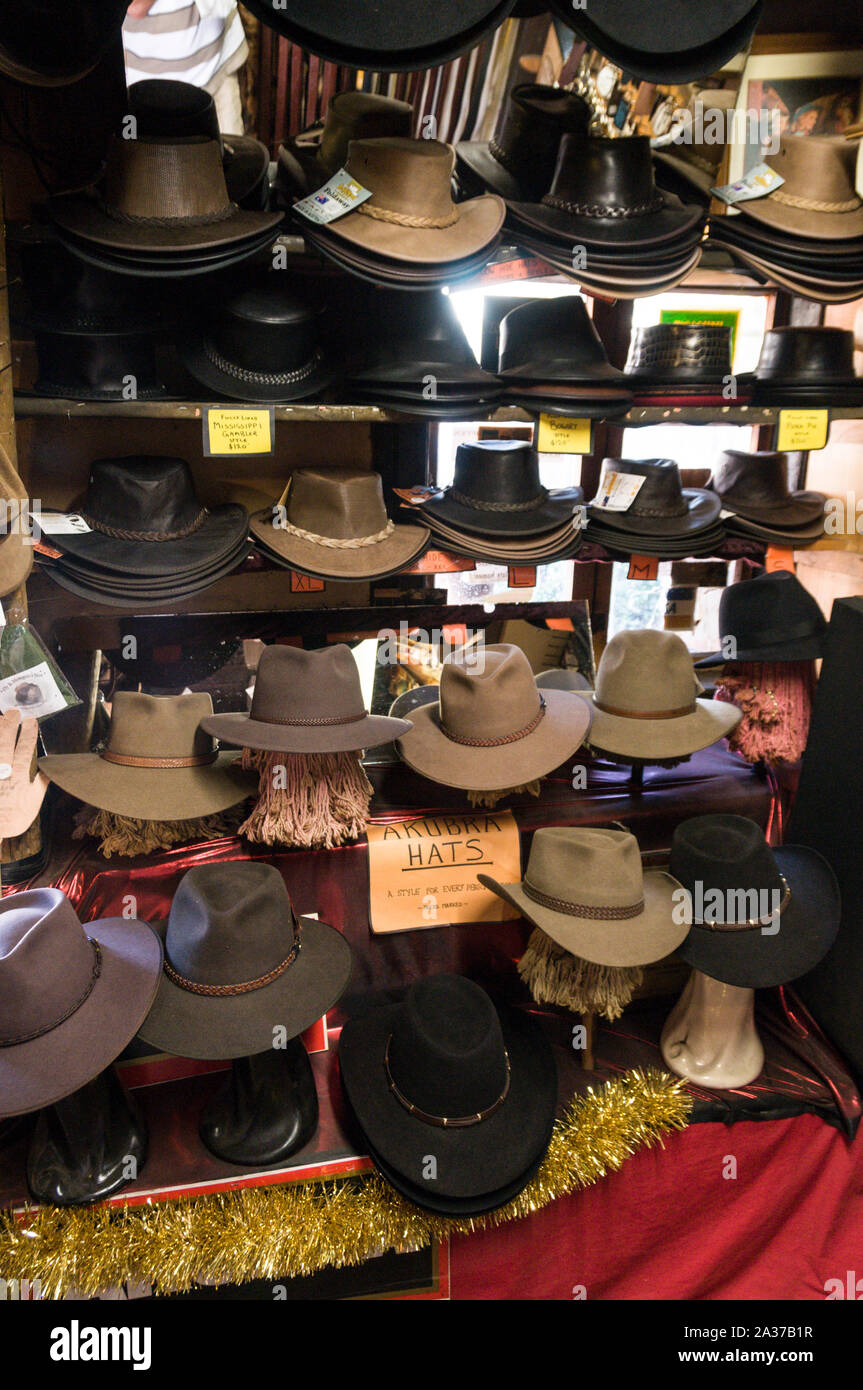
[757,183]
[339,195]
[618,491]
[33,692]
[61,524]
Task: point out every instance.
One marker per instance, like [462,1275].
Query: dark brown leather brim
[242,731]
[141,599]
[241,388]
[800,509]
[165,268]
[672,220]
[83,217]
[482,165]
[555,510]
[702,511]
[223,529]
[821,293]
[400,548]
[575,407]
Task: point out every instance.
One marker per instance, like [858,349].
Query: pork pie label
[423,872]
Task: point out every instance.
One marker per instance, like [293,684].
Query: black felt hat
[677,43]
[760,916]
[496,491]
[445,1073]
[518,162]
[49,45]
[771,618]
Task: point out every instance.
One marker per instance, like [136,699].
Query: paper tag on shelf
[34,692]
[238,430]
[777,558]
[801,430]
[339,195]
[306,583]
[561,434]
[757,183]
[441,562]
[61,524]
[618,491]
[643,567]
[522,577]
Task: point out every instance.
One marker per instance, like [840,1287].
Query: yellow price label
[800,430]
[235,430]
[558,434]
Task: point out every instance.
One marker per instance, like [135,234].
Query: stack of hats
[689,162]
[605,223]
[552,359]
[147,538]
[332,523]
[409,353]
[307,160]
[497,509]
[757,501]
[518,162]
[807,235]
[662,518]
[807,367]
[771,618]
[261,342]
[690,362]
[409,233]
[672,45]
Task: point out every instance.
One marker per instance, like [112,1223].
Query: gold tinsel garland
[282,1232]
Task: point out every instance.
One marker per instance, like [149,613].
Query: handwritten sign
[643,567]
[422,872]
[800,430]
[230,430]
[558,434]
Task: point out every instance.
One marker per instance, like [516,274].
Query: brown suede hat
[306,702]
[157,763]
[16,549]
[819,197]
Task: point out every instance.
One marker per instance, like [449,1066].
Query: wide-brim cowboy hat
[428,1200]
[551,512]
[479,222]
[801,509]
[702,511]
[401,547]
[223,529]
[472,1161]
[560,731]
[804,222]
[671,220]
[244,732]
[650,936]
[84,217]
[246,385]
[46,1069]
[649,740]
[151,793]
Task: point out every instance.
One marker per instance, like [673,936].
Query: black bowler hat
[807,365]
[760,916]
[518,162]
[679,354]
[675,43]
[771,618]
[496,491]
[447,1074]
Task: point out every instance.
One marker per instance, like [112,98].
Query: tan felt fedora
[586,889]
[333,523]
[646,705]
[16,548]
[157,763]
[818,197]
[492,727]
[411,215]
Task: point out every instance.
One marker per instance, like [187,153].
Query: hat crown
[661,493]
[503,471]
[761,477]
[818,168]
[447,1054]
[597,174]
[360,116]
[339,503]
[769,606]
[46,962]
[141,494]
[725,853]
[178,180]
[806,355]
[711,109]
[410,177]
[554,332]
[165,110]
[229,923]
[293,686]
[646,672]
[265,326]
[685,348]
[534,121]
[492,699]
[596,868]
[159,726]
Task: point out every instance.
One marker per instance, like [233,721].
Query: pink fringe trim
[776,700]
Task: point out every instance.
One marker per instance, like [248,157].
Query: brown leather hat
[306,161]
[518,162]
[819,197]
[698,160]
[755,487]
[662,507]
[306,702]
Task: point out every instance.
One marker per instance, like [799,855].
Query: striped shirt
[199,43]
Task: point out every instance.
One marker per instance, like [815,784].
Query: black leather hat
[518,162]
[679,354]
[771,618]
[65,294]
[676,44]
[399,340]
[49,45]
[496,492]
[662,507]
[755,488]
[554,340]
[97,366]
[760,916]
[807,364]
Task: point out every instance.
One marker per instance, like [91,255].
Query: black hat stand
[267,1110]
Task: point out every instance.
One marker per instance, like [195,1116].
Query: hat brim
[801,649]
[41,1072]
[826,226]
[826,292]
[658,739]
[401,547]
[702,511]
[581,407]
[555,510]
[678,64]
[408,372]
[479,222]
[164,267]
[222,530]
[808,927]
[429,1200]
[246,162]
[388,274]
[151,793]
[213,1027]
[137,597]
[471,1161]
[671,221]
[802,509]
[244,732]
[482,165]
[560,732]
[244,388]
[698,179]
[83,217]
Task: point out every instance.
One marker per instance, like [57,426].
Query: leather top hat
[492,727]
[554,340]
[518,162]
[240,965]
[333,523]
[818,197]
[97,366]
[49,46]
[386,37]
[680,353]
[807,363]
[306,702]
[68,295]
[647,705]
[587,891]
[771,618]
[697,154]
[755,487]
[156,764]
[411,216]
[661,507]
[306,161]
[760,916]
[447,1072]
[260,344]
[160,196]
[71,996]
[145,519]
[496,492]
[16,549]
[604,193]
[681,42]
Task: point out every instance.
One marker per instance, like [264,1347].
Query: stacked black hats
[675,44]
[757,500]
[807,367]
[771,618]
[518,162]
[690,361]
[146,538]
[551,359]
[497,509]
[640,508]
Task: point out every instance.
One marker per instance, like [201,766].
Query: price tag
[339,195]
[618,491]
[778,559]
[306,583]
[230,430]
[441,562]
[61,524]
[558,434]
[757,183]
[801,430]
[643,567]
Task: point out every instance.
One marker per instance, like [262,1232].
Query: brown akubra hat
[157,763]
[160,196]
[333,523]
[492,727]
[586,889]
[819,197]
[16,548]
[71,996]
[306,702]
